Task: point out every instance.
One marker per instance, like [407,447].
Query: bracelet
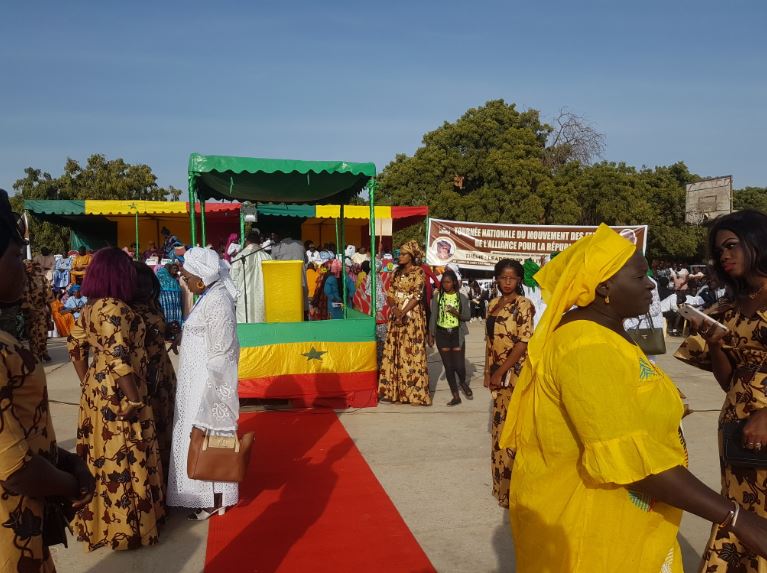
[735,518]
[138,404]
[730,517]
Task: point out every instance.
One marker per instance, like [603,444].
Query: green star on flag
[314,354]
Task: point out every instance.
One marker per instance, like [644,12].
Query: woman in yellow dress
[116,433]
[738,359]
[509,326]
[32,466]
[404,376]
[80,266]
[600,478]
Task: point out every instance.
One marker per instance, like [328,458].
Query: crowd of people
[587,446]
[586,449]
[136,413]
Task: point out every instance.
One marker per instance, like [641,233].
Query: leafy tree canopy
[499,164]
[99,178]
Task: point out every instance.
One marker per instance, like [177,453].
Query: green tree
[750,198]
[99,178]
[497,164]
[572,139]
[486,166]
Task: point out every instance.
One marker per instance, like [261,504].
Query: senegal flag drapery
[301,361]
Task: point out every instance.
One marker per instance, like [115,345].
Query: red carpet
[310,503]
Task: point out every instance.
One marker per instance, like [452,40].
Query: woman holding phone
[737,356]
[450,311]
[509,327]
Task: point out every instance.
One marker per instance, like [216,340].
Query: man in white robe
[248,276]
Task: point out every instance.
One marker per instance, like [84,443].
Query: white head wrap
[206,264]
[233,249]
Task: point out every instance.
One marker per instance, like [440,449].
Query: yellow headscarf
[569,279]
[413,249]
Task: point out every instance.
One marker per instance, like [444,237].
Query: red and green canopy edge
[64,207]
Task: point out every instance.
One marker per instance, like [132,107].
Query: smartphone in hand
[693,314]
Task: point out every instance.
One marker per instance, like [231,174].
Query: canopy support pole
[137,249]
[343,260]
[337,240]
[242,234]
[373,270]
[28,236]
[204,239]
[192,209]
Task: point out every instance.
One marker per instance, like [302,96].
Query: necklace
[757,292]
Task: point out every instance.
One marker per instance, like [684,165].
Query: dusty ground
[433,463]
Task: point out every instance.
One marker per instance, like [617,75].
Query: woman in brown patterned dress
[404,376]
[32,466]
[161,376]
[36,308]
[115,434]
[509,326]
[738,359]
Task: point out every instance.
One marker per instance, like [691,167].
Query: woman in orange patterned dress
[161,376]
[32,466]
[404,375]
[116,433]
[738,360]
[509,327]
[35,307]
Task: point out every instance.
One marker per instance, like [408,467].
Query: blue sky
[355,81]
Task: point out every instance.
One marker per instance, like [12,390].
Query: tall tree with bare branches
[573,139]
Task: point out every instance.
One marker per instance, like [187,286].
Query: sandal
[204,514]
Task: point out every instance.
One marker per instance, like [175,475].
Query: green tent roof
[277,180]
[286,210]
[55,206]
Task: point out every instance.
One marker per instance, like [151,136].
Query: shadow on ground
[503,545]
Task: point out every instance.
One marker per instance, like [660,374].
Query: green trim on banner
[357,327]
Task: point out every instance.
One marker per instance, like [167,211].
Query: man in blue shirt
[75,302]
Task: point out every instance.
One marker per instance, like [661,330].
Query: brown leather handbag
[218,458]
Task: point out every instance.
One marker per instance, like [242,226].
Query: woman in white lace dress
[206,397]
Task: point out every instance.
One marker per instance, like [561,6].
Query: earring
[607,299]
